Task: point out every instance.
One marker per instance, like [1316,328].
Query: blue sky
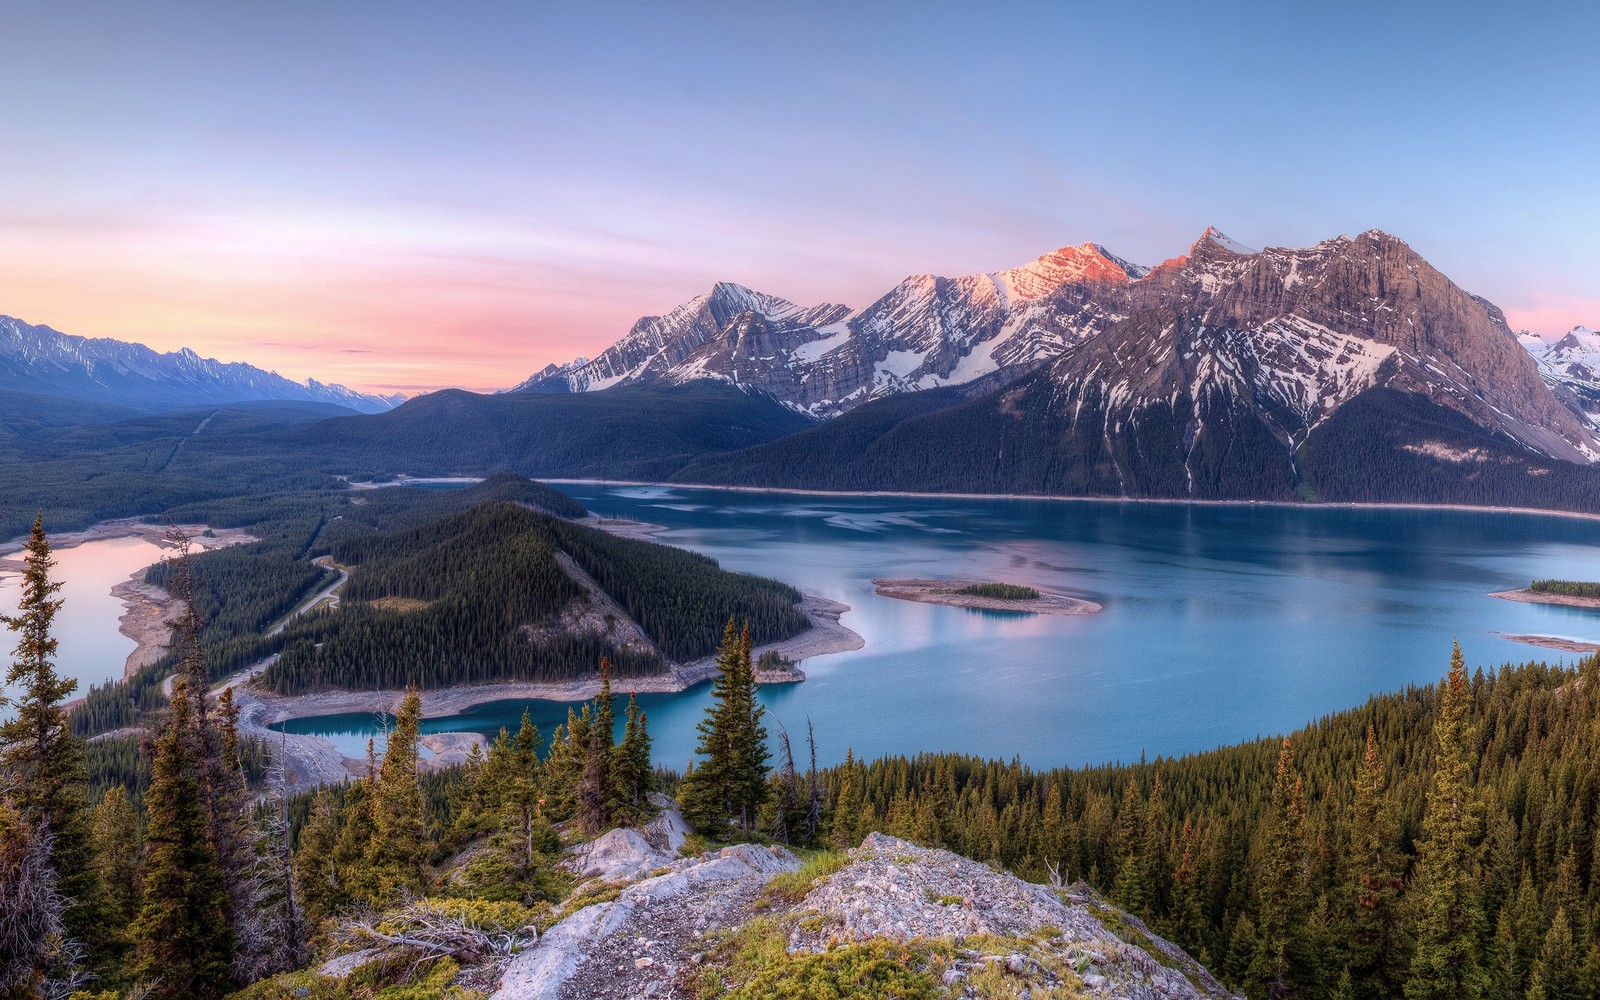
[415,195]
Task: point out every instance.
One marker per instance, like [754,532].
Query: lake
[1221,622]
[90,647]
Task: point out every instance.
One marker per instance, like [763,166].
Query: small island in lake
[987,596]
[1569,593]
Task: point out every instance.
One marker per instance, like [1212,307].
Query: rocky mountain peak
[1089,263]
[1214,237]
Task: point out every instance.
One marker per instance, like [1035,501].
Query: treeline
[1318,847]
[1568,588]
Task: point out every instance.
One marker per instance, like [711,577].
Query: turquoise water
[1222,623]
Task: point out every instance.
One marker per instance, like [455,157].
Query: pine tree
[183,938]
[731,782]
[1450,918]
[316,874]
[1283,893]
[39,757]
[595,788]
[397,854]
[116,855]
[1375,948]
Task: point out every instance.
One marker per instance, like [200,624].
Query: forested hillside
[438,599]
[243,590]
[1448,825]
[476,597]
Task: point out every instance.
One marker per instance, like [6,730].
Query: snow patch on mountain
[39,359]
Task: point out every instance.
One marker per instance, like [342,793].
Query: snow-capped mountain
[928,331]
[1316,326]
[1349,370]
[1570,362]
[1293,335]
[46,362]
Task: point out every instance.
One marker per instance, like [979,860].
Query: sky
[403,196]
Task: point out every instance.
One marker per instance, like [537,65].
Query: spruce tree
[513,767]
[632,771]
[731,782]
[39,757]
[1375,946]
[1449,922]
[848,823]
[352,875]
[397,854]
[563,768]
[183,937]
[320,892]
[1283,894]
[595,788]
[116,852]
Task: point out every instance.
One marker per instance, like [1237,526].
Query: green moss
[592,893]
[791,887]
[752,964]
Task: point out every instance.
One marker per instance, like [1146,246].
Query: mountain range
[1290,335]
[1351,370]
[39,361]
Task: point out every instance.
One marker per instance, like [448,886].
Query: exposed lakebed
[1221,622]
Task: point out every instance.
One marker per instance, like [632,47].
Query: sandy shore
[1535,597]
[1554,642]
[130,527]
[943,592]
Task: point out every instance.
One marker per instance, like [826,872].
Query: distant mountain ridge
[927,332]
[41,361]
[1318,325]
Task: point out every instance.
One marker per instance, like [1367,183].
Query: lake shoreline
[315,760]
[1057,498]
[943,592]
[1553,642]
[1526,596]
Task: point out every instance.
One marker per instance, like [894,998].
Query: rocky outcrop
[659,936]
[895,890]
[638,944]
